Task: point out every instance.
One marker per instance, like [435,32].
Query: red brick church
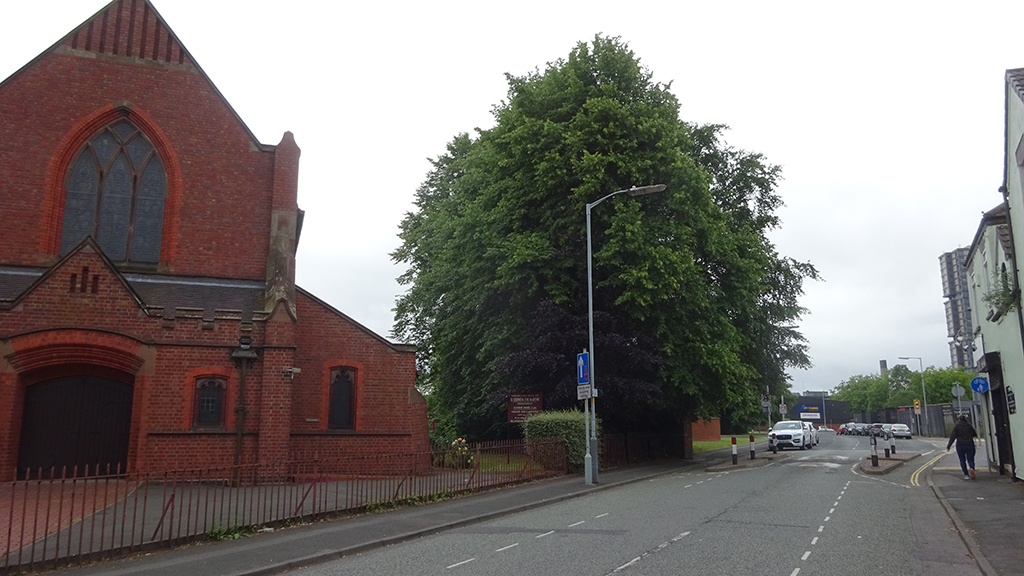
[149,318]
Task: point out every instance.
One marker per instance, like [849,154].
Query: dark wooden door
[73,423]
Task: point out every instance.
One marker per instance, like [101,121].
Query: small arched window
[209,403]
[341,413]
[116,187]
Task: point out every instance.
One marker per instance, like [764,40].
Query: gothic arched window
[209,403]
[341,414]
[116,189]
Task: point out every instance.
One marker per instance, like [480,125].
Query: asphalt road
[811,513]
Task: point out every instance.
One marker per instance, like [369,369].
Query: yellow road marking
[917,473]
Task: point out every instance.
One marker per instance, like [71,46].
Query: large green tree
[900,387]
[693,306]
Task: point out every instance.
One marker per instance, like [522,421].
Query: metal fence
[626,449]
[57,518]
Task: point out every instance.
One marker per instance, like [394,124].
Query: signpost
[958,393]
[583,369]
[979,385]
[584,392]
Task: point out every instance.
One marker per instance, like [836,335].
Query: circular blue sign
[979,385]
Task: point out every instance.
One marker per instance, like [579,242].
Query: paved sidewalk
[988,512]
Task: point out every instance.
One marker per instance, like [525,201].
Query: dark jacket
[963,434]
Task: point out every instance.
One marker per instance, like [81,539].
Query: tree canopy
[694,308]
[900,387]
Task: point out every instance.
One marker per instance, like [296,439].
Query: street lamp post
[924,393]
[824,414]
[592,442]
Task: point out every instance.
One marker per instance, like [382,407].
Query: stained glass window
[116,188]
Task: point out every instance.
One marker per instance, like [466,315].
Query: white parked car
[901,431]
[812,434]
[790,434]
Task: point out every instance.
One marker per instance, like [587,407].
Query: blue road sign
[979,385]
[583,368]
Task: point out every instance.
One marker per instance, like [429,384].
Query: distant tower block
[883,367]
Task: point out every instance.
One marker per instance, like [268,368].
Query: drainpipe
[242,356]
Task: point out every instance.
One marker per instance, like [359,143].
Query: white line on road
[601,515]
[836,503]
[688,485]
[795,572]
[826,518]
[806,555]
[545,534]
[502,549]
[821,528]
[814,541]
[459,564]
[627,564]
[681,536]
[831,510]
[577,524]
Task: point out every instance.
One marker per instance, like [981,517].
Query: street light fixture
[590,460]
[924,394]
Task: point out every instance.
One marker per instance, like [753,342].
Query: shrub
[567,425]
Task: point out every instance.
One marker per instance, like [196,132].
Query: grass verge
[742,443]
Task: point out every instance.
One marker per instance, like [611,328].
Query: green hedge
[567,425]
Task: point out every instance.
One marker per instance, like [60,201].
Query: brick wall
[707,430]
[390,415]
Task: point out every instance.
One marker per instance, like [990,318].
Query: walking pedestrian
[964,434]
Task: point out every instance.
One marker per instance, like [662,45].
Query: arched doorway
[75,424]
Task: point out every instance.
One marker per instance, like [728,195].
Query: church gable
[83,289]
[121,136]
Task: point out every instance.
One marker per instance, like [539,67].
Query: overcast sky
[886,117]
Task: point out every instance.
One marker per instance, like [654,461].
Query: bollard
[734,461]
[752,456]
[886,451]
[874,451]
[892,443]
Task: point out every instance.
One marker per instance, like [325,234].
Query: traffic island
[761,459]
[886,465]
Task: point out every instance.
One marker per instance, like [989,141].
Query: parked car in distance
[901,431]
[824,428]
[876,429]
[788,434]
[812,433]
[841,430]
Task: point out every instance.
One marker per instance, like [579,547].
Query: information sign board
[522,406]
